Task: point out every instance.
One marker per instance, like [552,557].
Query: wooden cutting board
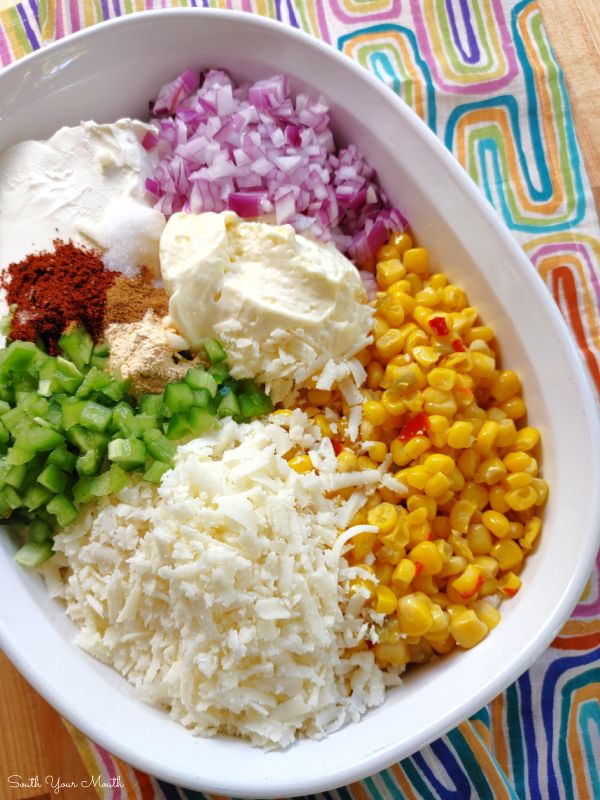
[33,740]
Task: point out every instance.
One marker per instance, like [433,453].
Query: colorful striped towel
[484,77]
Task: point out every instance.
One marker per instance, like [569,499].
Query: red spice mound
[53,290]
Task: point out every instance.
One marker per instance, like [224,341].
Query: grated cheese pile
[223,594]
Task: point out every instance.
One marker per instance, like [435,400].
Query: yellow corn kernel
[384,516]
[346,461]
[467,584]
[363,585]
[416,338]
[441,621]
[507,433]
[323,424]
[425,355]
[514,407]
[394,654]
[374,375]
[518,461]
[487,565]
[421,501]
[428,556]
[438,428]
[414,615]
[442,378]
[515,530]
[375,412]
[476,494]
[383,573]
[490,471]
[479,539]
[454,298]
[414,282]
[483,366]
[506,384]
[444,647]
[439,401]
[496,414]
[301,464]
[404,377]
[372,501]
[521,499]
[487,613]
[486,437]
[517,480]
[422,315]
[363,544]
[417,516]
[417,477]
[509,584]
[389,272]
[390,344]
[439,462]
[507,553]
[404,573]
[393,402]
[393,313]
[385,600]
[497,501]
[453,566]
[386,252]
[532,531]
[461,513]
[416,260]
[496,522]
[402,242]
[429,297]
[479,332]
[527,438]
[380,326]
[416,446]
[467,629]
[365,462]
[425,585]
[437,485]
[459,435]
[488,588]
[541,489]
[377,451]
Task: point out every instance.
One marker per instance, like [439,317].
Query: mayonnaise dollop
[282,305]
[87,184]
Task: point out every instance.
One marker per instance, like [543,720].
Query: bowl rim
[384,757]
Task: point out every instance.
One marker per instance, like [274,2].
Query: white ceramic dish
[112,70]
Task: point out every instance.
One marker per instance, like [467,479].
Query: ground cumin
[128,299]
[54,289]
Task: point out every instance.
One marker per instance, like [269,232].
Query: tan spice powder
[128,299]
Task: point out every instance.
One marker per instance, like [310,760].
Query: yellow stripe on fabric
[89,758]
[486,762]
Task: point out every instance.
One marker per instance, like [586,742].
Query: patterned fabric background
[483,75]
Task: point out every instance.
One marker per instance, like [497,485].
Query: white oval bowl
[112,70]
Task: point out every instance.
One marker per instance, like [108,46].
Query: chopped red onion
[255,149]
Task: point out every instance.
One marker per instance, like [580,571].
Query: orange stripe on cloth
[486,762]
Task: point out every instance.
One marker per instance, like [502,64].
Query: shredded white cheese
[223,594]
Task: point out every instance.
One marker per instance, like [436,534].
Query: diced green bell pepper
[34,554]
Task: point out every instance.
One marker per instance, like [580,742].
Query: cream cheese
[86,184]
[282,305]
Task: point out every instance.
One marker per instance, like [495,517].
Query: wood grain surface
[33,738]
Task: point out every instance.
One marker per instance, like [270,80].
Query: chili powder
[54,289]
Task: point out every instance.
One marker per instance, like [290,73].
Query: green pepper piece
[39,530]
[155,471]
[16,475]
[39,438]
[18,455]
[34,554]
[96,417]
[17,356]
[77,344]
[198,378]
[214,351]
[152,405]
[254,404]
[229,406]
[178,427]
[62,458]
[63,509]
[53,478]
[178,397]
[88,464]
[36,496]
[71,412]
[219,372]
[129,453]
[200,420]
[159,447]
[96,380]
